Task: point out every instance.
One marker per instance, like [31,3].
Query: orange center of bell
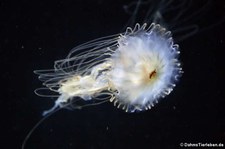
[152,74]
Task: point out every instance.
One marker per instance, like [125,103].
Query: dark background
[33,34]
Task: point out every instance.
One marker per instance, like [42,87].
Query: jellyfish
[133,70]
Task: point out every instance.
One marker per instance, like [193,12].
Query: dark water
[35,34]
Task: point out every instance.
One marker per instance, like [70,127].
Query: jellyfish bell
[145,66]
